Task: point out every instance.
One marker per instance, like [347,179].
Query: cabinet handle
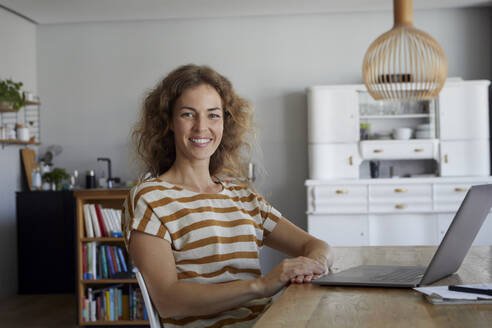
[341,191]
[377,150]
[459,189]
[400,206]
[418,150]
[351,160]
[400,190]
[446,158]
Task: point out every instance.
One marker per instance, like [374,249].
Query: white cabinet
[402,229]
[464,110]
[340,230]
[400,149]
[388,211]
[465,158]
[329,161]
[483,237]
[333,115]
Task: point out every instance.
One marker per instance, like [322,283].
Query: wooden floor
[38,311]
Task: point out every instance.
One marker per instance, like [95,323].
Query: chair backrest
[154,319]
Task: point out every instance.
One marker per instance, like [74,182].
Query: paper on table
[443,292]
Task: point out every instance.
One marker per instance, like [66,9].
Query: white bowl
[402,133]
[424,134]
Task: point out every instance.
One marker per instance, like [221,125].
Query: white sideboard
[346,207]
[413,211]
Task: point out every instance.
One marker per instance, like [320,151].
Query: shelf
[17,142]
[116,323]
[384,117]
[103,239]
[4,109]
[109,281]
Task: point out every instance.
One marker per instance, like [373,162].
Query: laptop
[446,261]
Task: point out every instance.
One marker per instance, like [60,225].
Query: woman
[194,236]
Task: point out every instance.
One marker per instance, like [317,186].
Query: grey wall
[92,78]
[17,61]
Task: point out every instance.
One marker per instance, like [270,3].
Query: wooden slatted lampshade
[404,63]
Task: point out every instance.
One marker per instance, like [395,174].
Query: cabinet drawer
[340,230]
[338,199]
[398,149]
[403,192]
[448,197]
[399,206]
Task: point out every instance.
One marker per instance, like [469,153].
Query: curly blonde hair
[154,140]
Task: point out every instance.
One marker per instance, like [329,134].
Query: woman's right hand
[289,270]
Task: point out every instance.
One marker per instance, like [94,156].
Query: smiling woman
[194,229]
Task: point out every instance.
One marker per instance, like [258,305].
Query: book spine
[94,261]
[108,308]
[89,261]
[114,251]
[84,262]
[107,222]
[89,232]
[113,260]
[116,223]
[95,223]
[100,221]
[110,260]
[122,259]
[104,262]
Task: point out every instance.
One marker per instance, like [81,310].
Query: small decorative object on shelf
[107,291]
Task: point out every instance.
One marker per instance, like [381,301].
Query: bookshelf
[107,199]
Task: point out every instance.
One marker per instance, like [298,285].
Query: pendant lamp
[404,63]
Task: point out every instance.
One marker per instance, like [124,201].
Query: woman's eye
[214,116]
[188,114]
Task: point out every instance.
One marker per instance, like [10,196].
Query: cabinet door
[333,115]
[460,158]
[484,236]
[339,230]
[464,110]
[330,161]
[402,229]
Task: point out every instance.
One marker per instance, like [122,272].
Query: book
[117,259]
[104,263]
[107,221]
[84,262]
[116,223]
[89,232]
[89,261]
[122,259]
[100,221]
[110,261]
[95,223]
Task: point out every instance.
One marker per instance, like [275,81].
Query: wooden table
[322,306]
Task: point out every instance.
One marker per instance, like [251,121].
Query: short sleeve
[140,216]
[270,216]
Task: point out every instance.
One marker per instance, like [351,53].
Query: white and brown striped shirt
[215,238]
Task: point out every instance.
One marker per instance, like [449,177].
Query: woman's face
[197,123]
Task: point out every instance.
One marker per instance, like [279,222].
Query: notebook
[446,261]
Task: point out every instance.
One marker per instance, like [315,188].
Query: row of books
[104,262]
[102,222]
[112,303]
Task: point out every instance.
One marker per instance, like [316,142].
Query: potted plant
[55,177]
[11,94]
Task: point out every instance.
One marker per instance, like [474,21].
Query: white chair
[154,319]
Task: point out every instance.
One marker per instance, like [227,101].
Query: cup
[402,133]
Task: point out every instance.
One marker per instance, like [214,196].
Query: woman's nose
[200,123]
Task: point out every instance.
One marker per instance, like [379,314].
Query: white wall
[92,78]
[17,61]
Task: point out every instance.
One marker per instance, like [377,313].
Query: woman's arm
[154,259]
[291,240]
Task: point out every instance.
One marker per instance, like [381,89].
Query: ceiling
[78,11]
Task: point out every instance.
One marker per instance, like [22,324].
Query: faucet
[110,179]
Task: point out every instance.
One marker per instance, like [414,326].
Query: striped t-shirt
[215,238]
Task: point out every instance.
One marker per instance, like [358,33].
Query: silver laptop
[447,259]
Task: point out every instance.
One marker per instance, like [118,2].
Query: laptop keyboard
[400,275]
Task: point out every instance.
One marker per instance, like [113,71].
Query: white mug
[23,134]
